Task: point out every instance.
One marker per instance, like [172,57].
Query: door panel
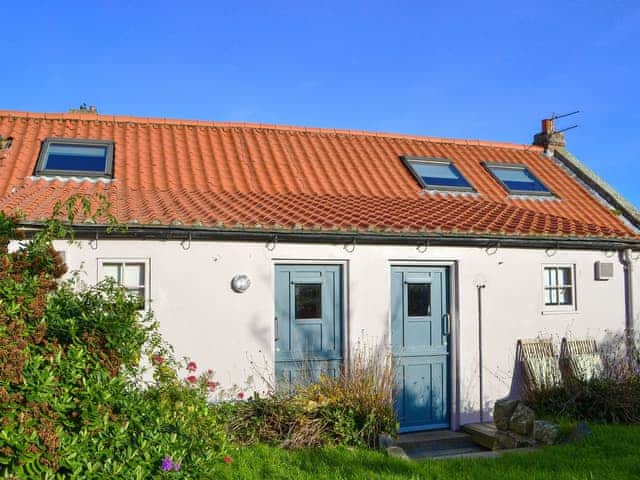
[420,349]
[308,324]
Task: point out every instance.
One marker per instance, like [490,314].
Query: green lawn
[613,452]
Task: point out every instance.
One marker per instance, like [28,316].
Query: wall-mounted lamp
[240,283]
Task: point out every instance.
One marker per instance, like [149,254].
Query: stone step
[483,434]
[435,440]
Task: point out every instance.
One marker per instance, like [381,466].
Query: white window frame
[560,308]
[129,260]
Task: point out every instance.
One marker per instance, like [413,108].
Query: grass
[611,453]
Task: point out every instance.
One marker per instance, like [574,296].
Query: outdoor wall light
[240,283]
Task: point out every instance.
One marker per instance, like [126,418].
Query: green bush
[72,400]
[601,399]
[612,397]
[352,409]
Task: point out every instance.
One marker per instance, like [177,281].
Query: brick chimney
[548,138]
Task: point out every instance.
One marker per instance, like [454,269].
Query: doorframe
[454,341]
[344,267]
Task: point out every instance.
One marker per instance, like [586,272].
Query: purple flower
[167,464]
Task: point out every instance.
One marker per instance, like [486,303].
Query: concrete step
[483,434]
[437,444]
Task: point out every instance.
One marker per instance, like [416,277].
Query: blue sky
[488,70]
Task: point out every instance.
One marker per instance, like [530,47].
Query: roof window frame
[407,159]
[517,166]
[41,170]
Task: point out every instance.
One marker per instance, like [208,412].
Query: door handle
[275,328]
[447,324]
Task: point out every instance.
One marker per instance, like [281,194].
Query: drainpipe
[480,364]
[627,261]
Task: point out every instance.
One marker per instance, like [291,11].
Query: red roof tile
[264,176]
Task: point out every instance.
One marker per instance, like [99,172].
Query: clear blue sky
[488,70]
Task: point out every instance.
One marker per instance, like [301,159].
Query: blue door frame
[308,323]
[420,333]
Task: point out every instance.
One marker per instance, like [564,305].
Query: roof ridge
[289,128]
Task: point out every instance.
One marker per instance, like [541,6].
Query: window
[132,275]
[517,179]
[419,299]
[559,286]
[437,174]
[308,301]
[86,158]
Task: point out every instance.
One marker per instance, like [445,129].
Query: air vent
[604,270]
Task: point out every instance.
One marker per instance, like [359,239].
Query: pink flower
[240,395]
[212,386]
[157,359]
[228,460]
[210,372]
[192,366]
[192,379]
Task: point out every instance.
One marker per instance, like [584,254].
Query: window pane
[419,299]
[518,178]
[308,300]
[76,158]
[564,277]
[111,270]
[565,296]
[548,298]
[138,294]
[439,174]
[548,277]
[133,275]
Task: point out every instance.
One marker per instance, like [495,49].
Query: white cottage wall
[204,319]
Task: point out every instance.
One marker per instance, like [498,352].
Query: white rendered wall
[204,319]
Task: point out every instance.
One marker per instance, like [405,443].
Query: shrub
[352,409]
[72,404]
[613,397]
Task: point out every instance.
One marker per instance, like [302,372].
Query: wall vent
[604,270]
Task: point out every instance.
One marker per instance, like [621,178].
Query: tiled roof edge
[602,187]
[489,240]
[213,124]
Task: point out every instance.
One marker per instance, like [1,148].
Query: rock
[397,452]
[385,440]
[580,432]
[505,441]
[522,420]
[502,411]
[545,432]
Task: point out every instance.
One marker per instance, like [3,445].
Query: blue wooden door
[308,323]
[420,346]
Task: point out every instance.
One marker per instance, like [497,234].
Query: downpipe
[480,362]
[629,325]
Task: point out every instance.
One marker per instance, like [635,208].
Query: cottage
[281,244]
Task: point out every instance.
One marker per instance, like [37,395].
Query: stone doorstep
[484,434]
[434,444]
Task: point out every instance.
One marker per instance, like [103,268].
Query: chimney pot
[548,138]
[92,109]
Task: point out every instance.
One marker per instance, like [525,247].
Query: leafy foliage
[352,409]
[613,397]
[72,402]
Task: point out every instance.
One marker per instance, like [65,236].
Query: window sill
[560,312]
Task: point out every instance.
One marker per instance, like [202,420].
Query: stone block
[502,411]
[545,432]
[522,420]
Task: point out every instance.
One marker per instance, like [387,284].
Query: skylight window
[437,174]
[517,179]
[80,158]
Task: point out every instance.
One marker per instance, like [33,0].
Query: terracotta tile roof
[274,177]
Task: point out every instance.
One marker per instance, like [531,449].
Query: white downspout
[627,261]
